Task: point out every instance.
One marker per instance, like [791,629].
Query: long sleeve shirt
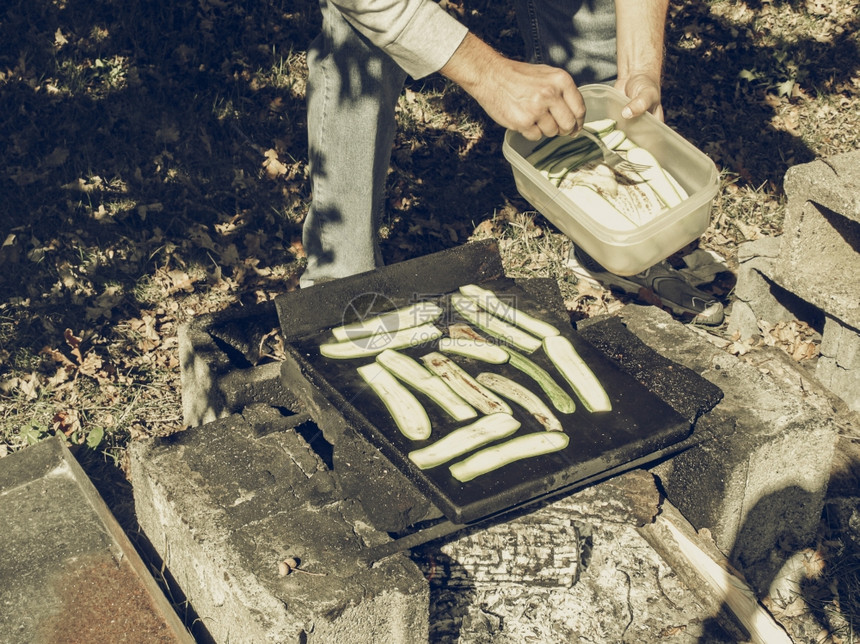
[418,34]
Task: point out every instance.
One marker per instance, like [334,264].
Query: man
[359,62]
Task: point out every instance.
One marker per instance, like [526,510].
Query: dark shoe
[661,284]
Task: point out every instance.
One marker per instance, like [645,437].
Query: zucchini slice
[495,326]
[465,439]
[521,395]
[557,396]
[577,373]
[409,415]
[403,318]
[515,449]
[596,205]
[475,349]
[655,176]
[372,344]
[463,384]
[491,303]
[412,373]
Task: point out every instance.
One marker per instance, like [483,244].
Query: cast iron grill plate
[639,424]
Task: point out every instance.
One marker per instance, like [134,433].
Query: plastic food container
[630,251]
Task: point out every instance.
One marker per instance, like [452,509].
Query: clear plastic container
[630,251]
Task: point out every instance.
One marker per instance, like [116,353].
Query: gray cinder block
[224,506]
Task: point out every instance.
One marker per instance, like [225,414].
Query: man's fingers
[548,125]
[636,107]
[564,119]
[532,132]
[569,112]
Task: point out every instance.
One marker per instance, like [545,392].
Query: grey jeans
[352,91]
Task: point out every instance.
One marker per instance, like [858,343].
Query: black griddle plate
[639,424]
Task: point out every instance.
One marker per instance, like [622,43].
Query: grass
[155,169]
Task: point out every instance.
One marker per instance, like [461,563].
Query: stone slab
[760,298]
[820,257]
[225,503]
[838,366]
[69,572]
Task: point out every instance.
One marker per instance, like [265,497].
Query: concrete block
[838,366]
[820,257]
[221,366]
[69,571]
[757,297]
[224,503]
[759,484]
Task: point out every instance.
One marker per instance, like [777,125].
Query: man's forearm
[641,25]
[471,63]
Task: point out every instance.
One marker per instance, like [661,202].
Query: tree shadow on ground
[161,165]
[803,586]
[133,137]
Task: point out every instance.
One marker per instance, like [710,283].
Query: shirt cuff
[428,41]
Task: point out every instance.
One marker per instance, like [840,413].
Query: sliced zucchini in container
[403,318]
[593,203]
[464,439]
[521,395]
[373,344]
[655,176]
[635,198]
[408,413]
[475,349]
[515,449]
[495,326]
[491,303]
[556,147]
[578,374]
[601,126]
[556,173]
[613,139]
[411,372]
[463,384]
[557,396]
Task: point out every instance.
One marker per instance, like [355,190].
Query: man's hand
[640,30]
[534,100]
[644,94]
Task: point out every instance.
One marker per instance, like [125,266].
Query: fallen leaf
[59,38]
[67,422]
[273,167]
[74,343]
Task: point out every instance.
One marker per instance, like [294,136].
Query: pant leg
[577,35]
[352,92]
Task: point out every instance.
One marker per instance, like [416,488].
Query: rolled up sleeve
[418,34]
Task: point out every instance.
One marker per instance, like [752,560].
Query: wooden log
[708,573]
[631,498]
[537,549]
[540,546]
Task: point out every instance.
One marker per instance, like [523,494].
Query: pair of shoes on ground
[661,284]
